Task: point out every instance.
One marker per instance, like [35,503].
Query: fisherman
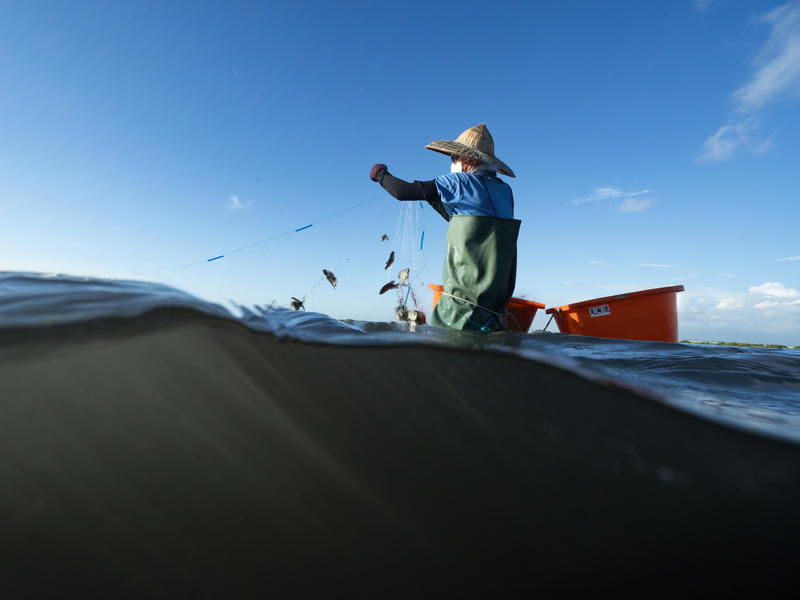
[481,258]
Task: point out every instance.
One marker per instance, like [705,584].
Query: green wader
[480,270]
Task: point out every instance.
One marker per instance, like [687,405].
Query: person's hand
[373,174]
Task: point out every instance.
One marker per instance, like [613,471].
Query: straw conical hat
[475,143]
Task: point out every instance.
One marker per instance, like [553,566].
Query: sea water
[156,444]
[754,389]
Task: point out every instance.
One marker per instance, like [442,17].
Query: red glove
[373,174]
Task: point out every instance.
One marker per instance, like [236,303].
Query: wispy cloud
[788,258]
[599,193]
[730,138]
[778,62]
[776,74]
[235,204]
[635,204]
[702,5]
[655,266]
[629,201]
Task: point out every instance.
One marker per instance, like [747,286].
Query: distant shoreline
[746,345]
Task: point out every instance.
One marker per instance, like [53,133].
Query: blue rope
[275,237]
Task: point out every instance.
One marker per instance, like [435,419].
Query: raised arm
[405,191]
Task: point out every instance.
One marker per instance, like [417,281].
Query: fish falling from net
[403,275]
[297,304]
[390,261]
[389,286]
[330,277]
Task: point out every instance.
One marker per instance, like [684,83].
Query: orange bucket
[522,310]
[650,315]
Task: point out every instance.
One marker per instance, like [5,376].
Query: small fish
[297,304]
[403,275]
[384,237]
[390,261]
[389,286]
[330,277]
[402,313]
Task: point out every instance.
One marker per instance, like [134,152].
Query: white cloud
[767,304]
[729,304]
[773,288]
[600,193]
[730,138]
[235,204]
[629,204]
[651,265]
[788,258]
[764,146]
[778,62]
[635,205]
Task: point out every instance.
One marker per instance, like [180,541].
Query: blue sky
[654,144]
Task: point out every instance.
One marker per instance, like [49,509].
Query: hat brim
[458,149]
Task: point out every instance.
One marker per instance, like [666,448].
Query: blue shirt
[478,194]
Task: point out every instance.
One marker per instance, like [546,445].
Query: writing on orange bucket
[648,315]
[521,311]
